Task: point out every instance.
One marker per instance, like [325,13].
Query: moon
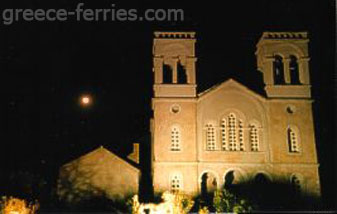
[85,100]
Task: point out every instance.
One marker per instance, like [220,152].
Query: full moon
[85,100]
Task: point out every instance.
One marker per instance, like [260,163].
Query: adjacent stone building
[229,133]
[99,173]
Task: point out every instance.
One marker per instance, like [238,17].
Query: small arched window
[254,138]
[176,183]
[293,140]
[294,72]
[278,70]
[210,137]
[175,139]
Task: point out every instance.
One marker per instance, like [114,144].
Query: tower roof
[174,35]
[284,35]
[270,37]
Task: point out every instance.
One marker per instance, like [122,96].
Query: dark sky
[46,66]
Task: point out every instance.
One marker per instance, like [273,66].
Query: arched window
[296,183]
[278,70]
[210,137]
[175,139]
[223,127]
[232,132]
[167,74]
[176,183]
[182,77]
[254,138]
[293,69]
[292,138]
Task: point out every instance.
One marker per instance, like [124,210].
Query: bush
[172,203]
[10,205]
[224,201]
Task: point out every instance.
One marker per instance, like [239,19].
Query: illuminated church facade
[223,136]
[230,134]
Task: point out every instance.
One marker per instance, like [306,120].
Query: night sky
[46,66]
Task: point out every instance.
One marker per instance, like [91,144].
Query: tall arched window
[278,70]
[232,132]
[176,183]
[254,138]
[294,72]
[292,138]
[175,139]
[182,77]
[210,137]
[167,74]
[223,135]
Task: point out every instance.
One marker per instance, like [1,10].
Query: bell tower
[283,59]
[173,127]
[174,64]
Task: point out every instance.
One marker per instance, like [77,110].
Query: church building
[223,136]
[230,134]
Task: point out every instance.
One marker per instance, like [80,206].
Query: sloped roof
[232,83]
[101,151]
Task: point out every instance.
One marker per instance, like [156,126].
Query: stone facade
[198,140]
